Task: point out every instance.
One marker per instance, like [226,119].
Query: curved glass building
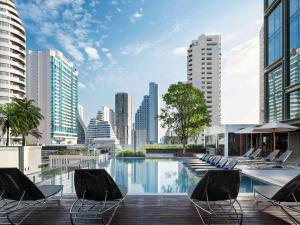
[12,53]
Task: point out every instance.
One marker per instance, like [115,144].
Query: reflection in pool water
[147,176]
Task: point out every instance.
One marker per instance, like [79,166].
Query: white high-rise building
[12,53]
[80,111]
[106,113]
[204,72]
[52,84]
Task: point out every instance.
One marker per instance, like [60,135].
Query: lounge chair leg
[293,219]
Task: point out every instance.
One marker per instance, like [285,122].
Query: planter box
[174,151]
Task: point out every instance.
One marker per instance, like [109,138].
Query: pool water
[142,176]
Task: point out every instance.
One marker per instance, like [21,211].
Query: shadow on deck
[152,210]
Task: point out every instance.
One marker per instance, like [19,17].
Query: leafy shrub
[130,153]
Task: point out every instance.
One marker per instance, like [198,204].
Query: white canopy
[275,127]
[249,130]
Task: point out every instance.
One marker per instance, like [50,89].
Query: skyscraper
[80,111]
[281,65]
[146,118]
[123,116]
[12,53]
[52,84]
[204,72]
[154,110]
[141,124]
[261,76]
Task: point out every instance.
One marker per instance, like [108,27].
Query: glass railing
[64,175]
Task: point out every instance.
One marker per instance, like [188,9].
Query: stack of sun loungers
[210,162]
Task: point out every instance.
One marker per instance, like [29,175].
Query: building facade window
[294,23]
[274,40]
[294,104]
[275,95]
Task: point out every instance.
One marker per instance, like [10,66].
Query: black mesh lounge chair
[286,197]
[97,195]
[20,193]
[215,196]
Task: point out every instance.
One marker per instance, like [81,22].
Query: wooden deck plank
[152,210]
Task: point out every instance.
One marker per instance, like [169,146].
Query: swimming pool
[145,176]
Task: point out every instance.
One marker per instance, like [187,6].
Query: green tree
[28,119]
[7,119]
[185,112]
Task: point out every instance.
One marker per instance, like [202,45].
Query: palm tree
[7,119]
[28,119]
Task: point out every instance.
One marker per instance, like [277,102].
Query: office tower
[52,84]
[154,110]
[123,116]
[261,75]
[204,72]
[141,124]
[147,126]
[112,119]
[281,65]
[80,111]
[81,128]
[13,53]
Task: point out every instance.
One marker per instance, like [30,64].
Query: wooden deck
[154,210]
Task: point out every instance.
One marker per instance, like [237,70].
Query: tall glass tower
[282,64]
[52,83]
[12,53]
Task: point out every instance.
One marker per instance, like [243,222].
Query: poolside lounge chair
[286,197]
[205,158]
[213,162]
[20,193]
[221,188]
[269,158]
[248,153]
[97,195]
[228,166]
[220,163]
[279,162]
[255,154]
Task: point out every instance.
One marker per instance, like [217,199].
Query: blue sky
[122,45]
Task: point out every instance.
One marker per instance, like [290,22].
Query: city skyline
[122,64]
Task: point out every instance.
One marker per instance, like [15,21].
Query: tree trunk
[7,135]
[23,140]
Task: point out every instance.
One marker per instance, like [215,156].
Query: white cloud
[67,43]
[92,53]
[114,3]
[137,15]
[135,49]
[240,74]
[105,50]
[81,85]
[119,10]
[181,51]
